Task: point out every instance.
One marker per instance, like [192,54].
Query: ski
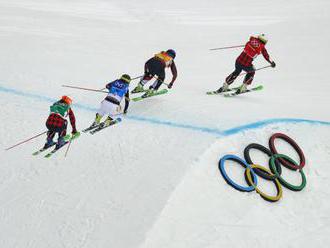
[90,128]
[219,93]
[140,91]
[257,88]
[160,92]
[48,155]
[66,137]
[101,127]
[71,137]
[42,150]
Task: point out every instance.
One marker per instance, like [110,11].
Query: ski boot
[149,92]
[138,88]
[107,122]
[60,142]
[49,143]
[223,88]
[241,89]
[96,121]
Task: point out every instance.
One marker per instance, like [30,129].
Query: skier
[156,66]
[110,106]
[252,49]
[57,122]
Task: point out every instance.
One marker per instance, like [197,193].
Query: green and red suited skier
[156,67]
[254,47]
[57,122]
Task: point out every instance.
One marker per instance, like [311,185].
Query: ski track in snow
[210,130]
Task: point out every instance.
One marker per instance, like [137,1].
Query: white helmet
[263,38]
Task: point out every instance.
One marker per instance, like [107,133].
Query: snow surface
[153,180]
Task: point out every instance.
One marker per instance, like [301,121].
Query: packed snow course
[153,180]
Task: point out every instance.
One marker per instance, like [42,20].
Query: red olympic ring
[286,163]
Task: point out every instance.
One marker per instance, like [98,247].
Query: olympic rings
[286,163]
[274,174]
[231,182]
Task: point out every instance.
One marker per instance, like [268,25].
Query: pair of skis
[97,128]
[233,91]
[68,138]
[145,95]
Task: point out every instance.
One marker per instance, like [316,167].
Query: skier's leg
[247,79]
[61,135]
[103,110]
[146,77]
[250,75]
[160,72]
[112,111]
[231,78]
[50,137]
[97,120]
[158,82]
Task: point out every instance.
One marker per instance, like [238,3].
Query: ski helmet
[171,53]
[263,38]
[126,78]
[67,100]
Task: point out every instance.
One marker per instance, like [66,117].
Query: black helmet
[171,53]
[126,78]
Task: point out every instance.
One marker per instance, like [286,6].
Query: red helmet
[67,100]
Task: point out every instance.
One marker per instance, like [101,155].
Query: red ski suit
[252,49]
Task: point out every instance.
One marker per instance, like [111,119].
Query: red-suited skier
[254,47]
[57,122]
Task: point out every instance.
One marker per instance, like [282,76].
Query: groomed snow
[153,180]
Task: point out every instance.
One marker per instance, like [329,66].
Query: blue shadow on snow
[213,131]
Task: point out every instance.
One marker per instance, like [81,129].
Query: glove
[273,64]
[170,85]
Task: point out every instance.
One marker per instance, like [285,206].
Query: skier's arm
[108,86]
[126,102]
[174,74]
[266,56]
[72,121]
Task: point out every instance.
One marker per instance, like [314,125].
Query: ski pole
[67,149]
[137,77]
[22,142]
[161,80]
[81,88]
[222,48]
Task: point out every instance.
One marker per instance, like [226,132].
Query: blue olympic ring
[231,182]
